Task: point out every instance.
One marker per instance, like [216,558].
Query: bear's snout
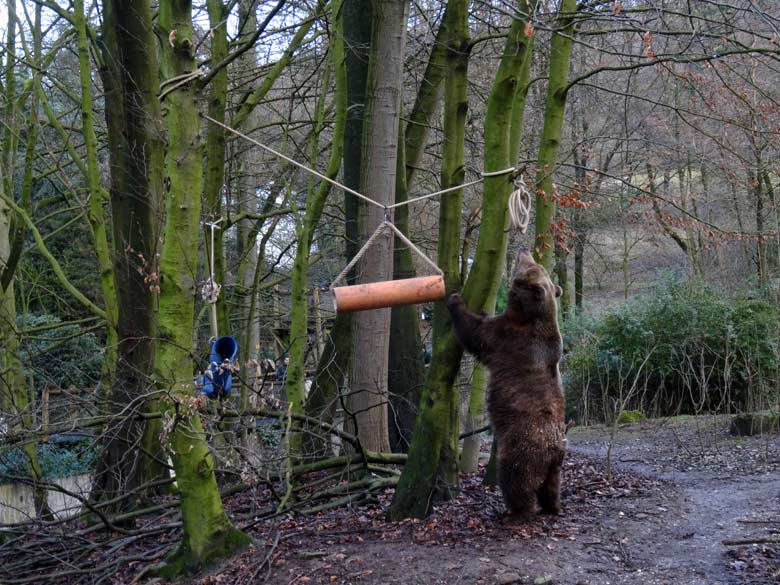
[524,260]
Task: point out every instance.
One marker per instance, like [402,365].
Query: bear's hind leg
[548,493]
[518,495]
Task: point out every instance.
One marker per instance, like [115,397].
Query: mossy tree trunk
[433,437]
[406,370]
[371,329]
[294,385]
[131,83]
[207,532]
[323,399]
[14,397]
[555,106]
[453,172]
[333,369]
[98,197]
[10,128]
[480,379]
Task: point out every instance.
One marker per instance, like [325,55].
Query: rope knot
[209,292]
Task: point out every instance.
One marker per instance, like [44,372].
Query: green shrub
[630,416]
[56,460]
[683,349]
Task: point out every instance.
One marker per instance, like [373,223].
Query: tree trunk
[371,329]
[762,266]
[406,370]
[433,435]
[207,532]
[97,198]
[294,385]
[773,242]
[453,173]
[562,275]
[14,398]
[579,270]
[475,418]
[555,106]
[131,84]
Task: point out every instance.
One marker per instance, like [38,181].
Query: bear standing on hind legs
[521,350]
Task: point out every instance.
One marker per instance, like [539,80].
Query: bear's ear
[558,291]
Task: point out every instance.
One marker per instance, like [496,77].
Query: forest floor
[679,488]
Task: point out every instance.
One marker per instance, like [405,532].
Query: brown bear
[521,350]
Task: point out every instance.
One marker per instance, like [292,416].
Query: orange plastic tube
[376,295]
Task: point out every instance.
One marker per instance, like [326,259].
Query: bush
[630,416]
[56,460]
[683,350]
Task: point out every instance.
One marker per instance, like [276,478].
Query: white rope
[455,188]
[209,292]
[342,275]
[344,187]
[414,248]
[520,206]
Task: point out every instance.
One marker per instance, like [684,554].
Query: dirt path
[684,546]
[678,488]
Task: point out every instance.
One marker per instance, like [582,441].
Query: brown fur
[521,350]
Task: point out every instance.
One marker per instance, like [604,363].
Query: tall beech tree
[453,173]
[555,105]
[207,532]
[305,228]
[130,75]
[406,370]
[432,463]
[371,329]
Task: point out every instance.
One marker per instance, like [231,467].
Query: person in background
[281,371]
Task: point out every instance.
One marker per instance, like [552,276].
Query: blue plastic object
[218,378]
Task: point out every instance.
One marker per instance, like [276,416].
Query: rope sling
[360,297]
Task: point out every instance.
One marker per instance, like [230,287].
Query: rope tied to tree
[209,292]
[519,209]
[346,189]
[520,206]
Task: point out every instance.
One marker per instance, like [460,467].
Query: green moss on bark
[207,531]
[436,433]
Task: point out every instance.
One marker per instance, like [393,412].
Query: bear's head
[532,295]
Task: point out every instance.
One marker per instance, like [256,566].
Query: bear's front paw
[455,302]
